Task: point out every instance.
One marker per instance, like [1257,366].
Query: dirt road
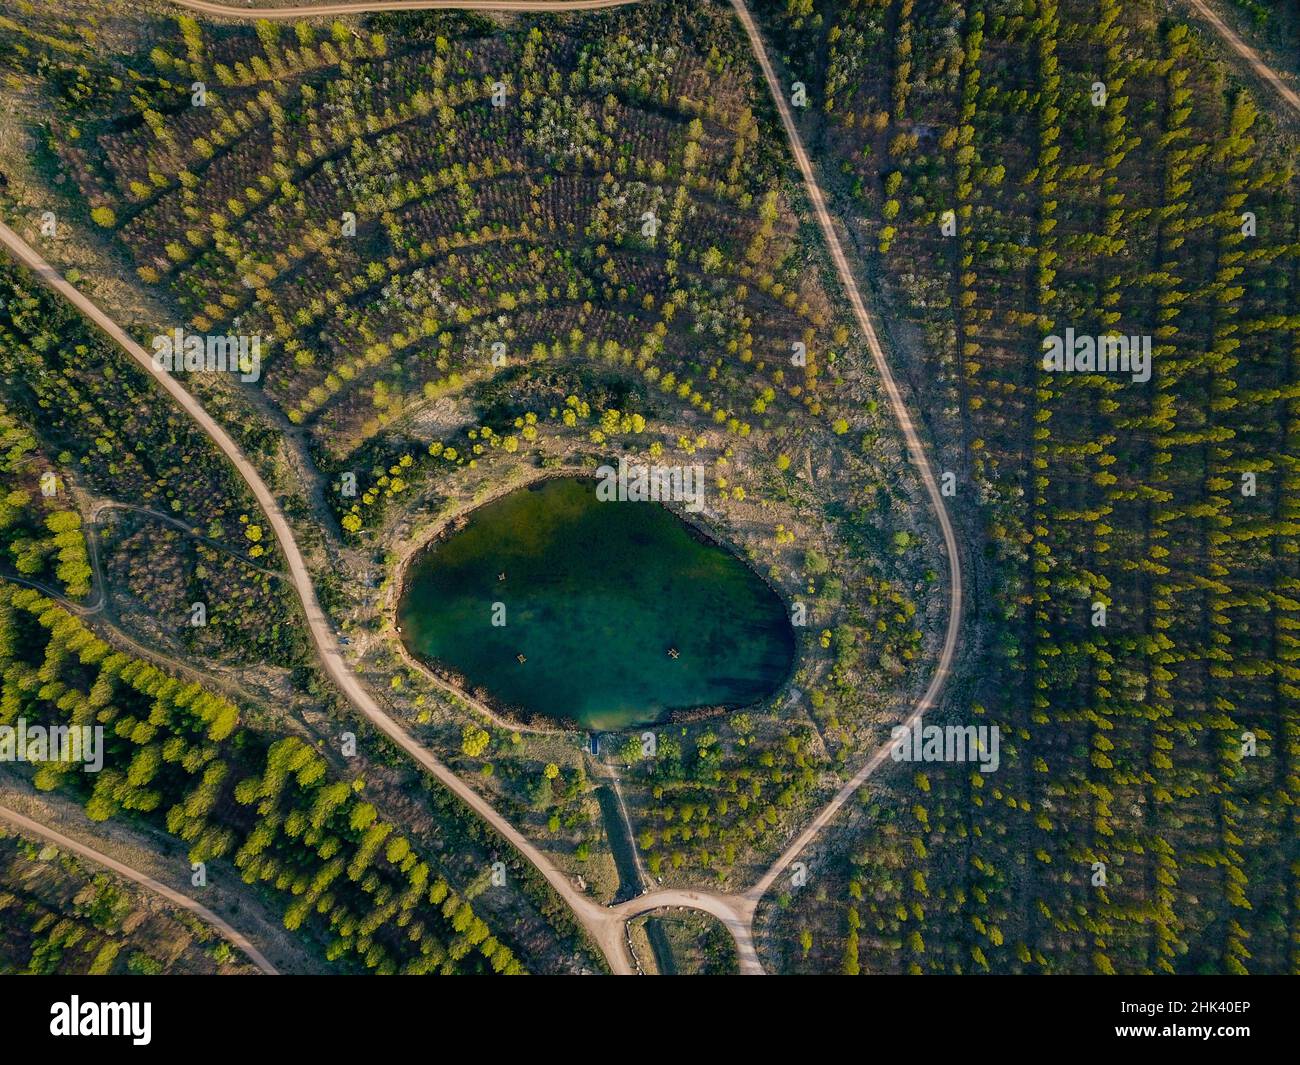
[35,828]
[605,925]
[915,449]
[324,10]
[591,914]
[1265,72]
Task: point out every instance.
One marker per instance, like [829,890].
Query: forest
[1104,170]
[479,250]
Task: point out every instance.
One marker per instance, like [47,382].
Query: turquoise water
[594,595]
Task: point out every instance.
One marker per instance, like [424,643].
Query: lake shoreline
[504,715]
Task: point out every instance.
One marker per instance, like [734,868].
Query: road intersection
[607,926]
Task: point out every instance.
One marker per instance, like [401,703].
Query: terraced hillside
[464,252]
[474,252]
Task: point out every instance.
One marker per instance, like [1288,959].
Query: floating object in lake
[672,652]
[501,576]
[521,659]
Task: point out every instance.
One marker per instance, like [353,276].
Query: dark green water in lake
[595,595]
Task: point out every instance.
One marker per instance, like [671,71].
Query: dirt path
[316,10]
[589,913]
[35,828]
[915,448]
[607,926]
[736,912]
[1265,72]
[98,506]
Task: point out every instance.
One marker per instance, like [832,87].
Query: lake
[595,596]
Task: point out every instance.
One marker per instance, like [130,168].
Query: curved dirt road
[736,912]
[605,925]
[35,828]
[1265,72]
[901,413]
[915,449]
[592,915]
[284,14]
